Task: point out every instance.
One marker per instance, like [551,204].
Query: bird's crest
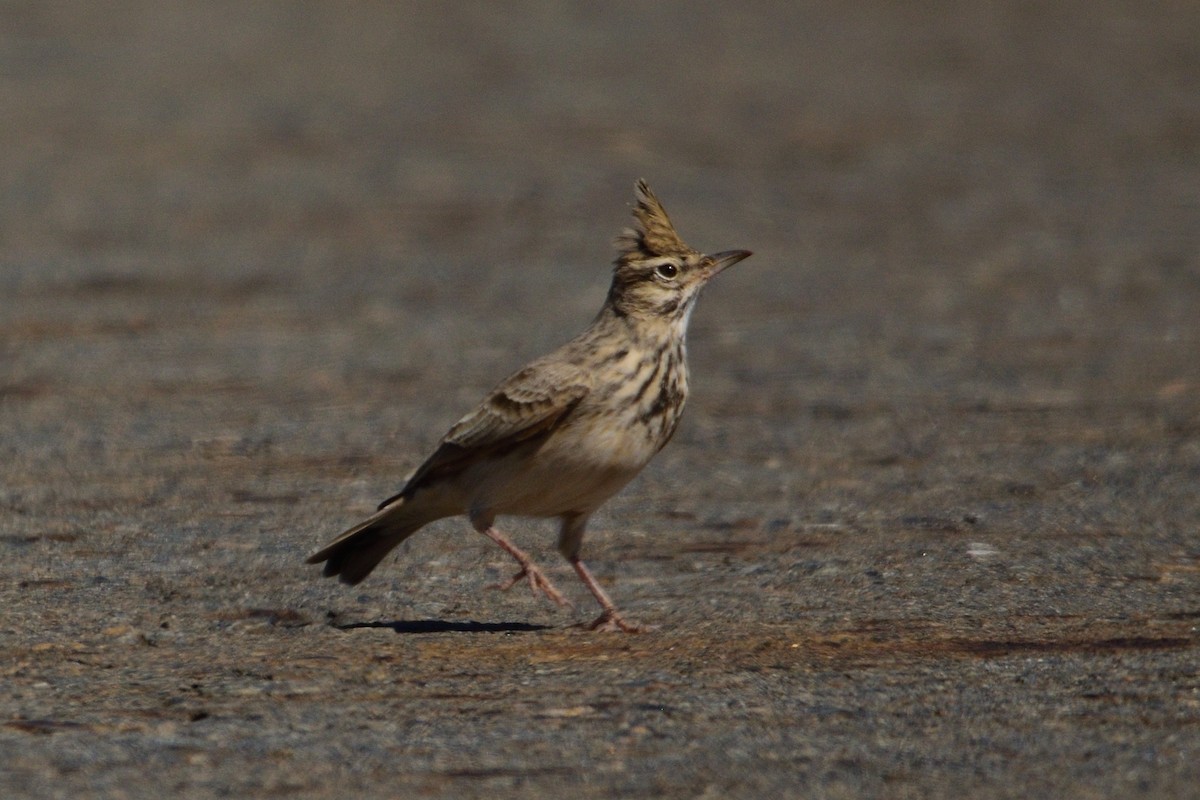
[654,235]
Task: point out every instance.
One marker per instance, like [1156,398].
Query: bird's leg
[611,619]
[570,542]
[538,581]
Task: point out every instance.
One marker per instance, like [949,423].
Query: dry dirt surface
[929,528]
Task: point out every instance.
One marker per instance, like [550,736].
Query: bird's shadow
[445,626]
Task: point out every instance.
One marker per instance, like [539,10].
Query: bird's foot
[538,582]
[611,621]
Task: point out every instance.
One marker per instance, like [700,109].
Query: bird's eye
[668,270]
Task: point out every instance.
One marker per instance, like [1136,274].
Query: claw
[611,621]
[508,584]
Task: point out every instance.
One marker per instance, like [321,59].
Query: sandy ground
[930,527]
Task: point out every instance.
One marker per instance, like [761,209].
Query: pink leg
[538,582]
[611,619]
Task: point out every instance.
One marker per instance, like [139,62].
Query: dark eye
[668,270]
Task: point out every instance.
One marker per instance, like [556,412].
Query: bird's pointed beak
[721,261]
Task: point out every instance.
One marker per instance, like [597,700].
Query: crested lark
[567,431]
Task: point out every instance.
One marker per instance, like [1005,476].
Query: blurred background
[332,227]
[964,173]
[255,258]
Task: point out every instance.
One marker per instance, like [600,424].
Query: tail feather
[359,550]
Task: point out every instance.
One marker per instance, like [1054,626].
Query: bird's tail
[359,550]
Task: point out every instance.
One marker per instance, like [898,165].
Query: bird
[563,434]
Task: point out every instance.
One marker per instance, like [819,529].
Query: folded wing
[528,404]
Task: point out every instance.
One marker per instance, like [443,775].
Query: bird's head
[656,275]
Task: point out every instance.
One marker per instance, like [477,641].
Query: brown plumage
[566,432]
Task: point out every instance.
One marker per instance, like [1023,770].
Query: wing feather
[525,405]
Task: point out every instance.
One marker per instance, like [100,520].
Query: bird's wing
[524,405]
[527,404]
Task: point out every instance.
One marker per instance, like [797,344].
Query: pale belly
[572,472]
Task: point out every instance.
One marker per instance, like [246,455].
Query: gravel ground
[930,527]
